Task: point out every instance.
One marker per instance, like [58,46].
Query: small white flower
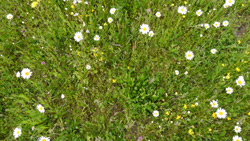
[186,72]
[216,24]
[83,24]
[76,14]
[176,72]
[188,112]
[221,113]
[151,33]
[182,9]
[240,81]
[189,55]
[40,108]
[97,38]
[237,138]
[229,90]
[199,12]
[87,31]
[201,35]
[26,73]
[9,16]
[112,11]
[196,103]
[213,51]
[18,74]
[214,104]
[17,132]
[237,129]
[110,20]
[62,96]
[158,14]
[230,2]
[206,26]
[100,27]
[144,28]
[42,138]
[86,2]
[225,5]
[88,67]
[225,23]
[78,36]
[155,113]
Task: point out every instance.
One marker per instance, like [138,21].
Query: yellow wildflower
[86,15]
[214,115]
[210,129]
[34,4]
[166,118]
[183,16]
[223,65]
[249,113]
[78,52]
[239,42]
[114,80]
[242,5]
[237,69]
[185,2]
[228,118]
[163,100]
[172,4]
[190,131]
[105,24]
[95,54]
[72,6]
[101,59]
[93,10]
[71,13]
[178,117]
[192,105]
[128,67]
[185,106]
[167,113]
[228,76]
[176,93]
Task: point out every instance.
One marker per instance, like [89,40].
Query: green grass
[96,107]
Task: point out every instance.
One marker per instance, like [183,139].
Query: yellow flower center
[155,113]
[237,140]
[226,6]
[206,26]
[216,24]
[230,1]
[214,104]
[9,16]
[189,55]
[199,12]
[113,11]
[240,82]
[26,73]
[228,90]
[221,113]
[237,129]
[17,132]
[41,108]
[79,36]
[144,29]
[182,9]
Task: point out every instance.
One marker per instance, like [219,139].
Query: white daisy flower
[229,90]
[78,36]
[110,20]
[155,113]
[240,81]
[9,16]
[237,138]
[199,12]
[112,11]
[18,74]
[17,132]
[62,96]
[176,72]
[237,129]
[196,103]
[42,138]
[87,31]
[83,24]
[100,27]
[186,72]
[86,2]
[225,23]
[201,35]
[144,28]
[216,24]
[230,2]
[88,67]
[214,104]
[182,9]
[213,51]
[151,33]
[26,73]
[221,113]
[189,55]
[225,5]
[97,38]
[158,14]
[206,26]
[76,14]
[40,108]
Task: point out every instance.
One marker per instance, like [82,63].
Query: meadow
[172,70]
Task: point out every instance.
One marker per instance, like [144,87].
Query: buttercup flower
[225,23]
[237,129]
[221,113]
[112,11]
[110,20]
[151,33]
[42,138]
[9,16]
[17,132]
[97,38]
[214,104]
[155,113]
[213,51]
[189,55]
[216,24]
[144,28]
[40,108]
[182,9]
[237,138]
[229,90]
[26,73]
[240,81]
[78,36]
[199,12]
[158,14]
